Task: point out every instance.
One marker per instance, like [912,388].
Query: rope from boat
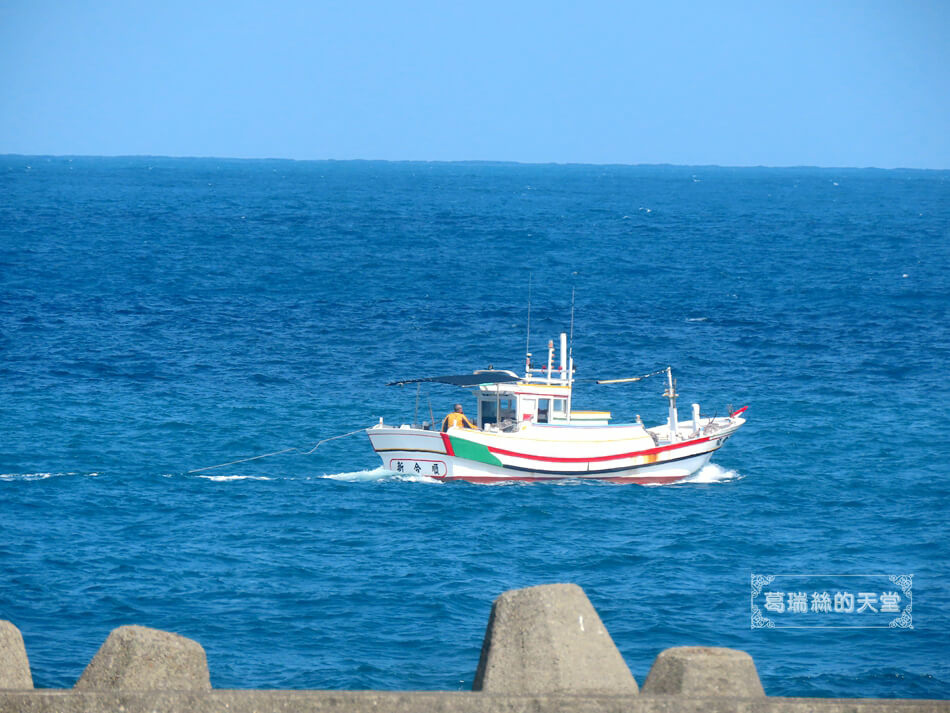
[333,438]
[277,453]
[242,460]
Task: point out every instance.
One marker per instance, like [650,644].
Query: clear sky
[778,83]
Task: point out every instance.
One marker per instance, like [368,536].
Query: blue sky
[841,83]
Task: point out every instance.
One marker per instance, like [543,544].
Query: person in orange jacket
[456,419]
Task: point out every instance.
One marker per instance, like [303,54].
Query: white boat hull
[616,454]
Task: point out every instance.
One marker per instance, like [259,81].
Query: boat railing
[555,376]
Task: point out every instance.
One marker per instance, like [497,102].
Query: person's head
[458,408]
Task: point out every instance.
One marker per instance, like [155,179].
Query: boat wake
[42,476]
[378,474]
[712,473]
[228,478]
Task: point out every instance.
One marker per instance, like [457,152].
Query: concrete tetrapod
[14,664]
[549,639]
[704,671]
[139,658]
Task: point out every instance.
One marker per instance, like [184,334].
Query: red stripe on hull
[600,459]
[447,442]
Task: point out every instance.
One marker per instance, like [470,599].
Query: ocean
[158,316]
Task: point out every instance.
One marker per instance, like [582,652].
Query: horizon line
[460,161]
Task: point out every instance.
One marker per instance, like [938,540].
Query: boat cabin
[506,400]
[503,407]
[542,395]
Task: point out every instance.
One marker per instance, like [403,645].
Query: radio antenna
[570,349]
[527,341]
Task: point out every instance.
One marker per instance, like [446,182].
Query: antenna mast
[570,349]
[527,341]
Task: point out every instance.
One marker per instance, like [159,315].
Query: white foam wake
[379,473]
[29,476]
[712,473]
[42,476]
[228,478]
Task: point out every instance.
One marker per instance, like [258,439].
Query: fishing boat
[527,429]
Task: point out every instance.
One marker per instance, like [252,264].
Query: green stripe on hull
[473,451]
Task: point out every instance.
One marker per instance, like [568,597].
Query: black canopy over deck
[481,377]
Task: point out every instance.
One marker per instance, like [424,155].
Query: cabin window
[560,407]
[490,412]
[544,407]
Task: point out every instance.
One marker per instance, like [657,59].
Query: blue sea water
[162,315]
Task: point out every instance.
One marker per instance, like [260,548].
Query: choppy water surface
[158,316]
